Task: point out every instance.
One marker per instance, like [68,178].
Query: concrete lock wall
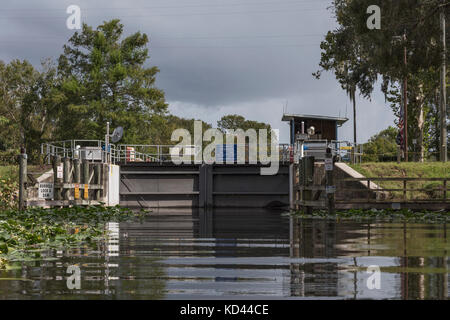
[168,185]
[114,185]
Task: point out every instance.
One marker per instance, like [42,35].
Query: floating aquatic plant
[24,233]
[406,215]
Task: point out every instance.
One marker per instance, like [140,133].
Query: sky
[254,58]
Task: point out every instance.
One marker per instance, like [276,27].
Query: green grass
[410,170]
[9,172]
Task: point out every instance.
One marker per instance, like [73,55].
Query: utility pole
[405,99]
[107,143]
[443,91]
[354,114]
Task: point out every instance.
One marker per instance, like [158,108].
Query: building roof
[289,117]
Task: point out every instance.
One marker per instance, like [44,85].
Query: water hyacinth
[23,233]
[386,215]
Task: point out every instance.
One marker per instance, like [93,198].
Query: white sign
[328,164]
[45,191]
[330,189]
[59,174]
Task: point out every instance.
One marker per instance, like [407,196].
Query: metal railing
[399,190]
[95,151]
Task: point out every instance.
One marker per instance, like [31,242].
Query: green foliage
[359,57]
[8,193]
[23,234]
[234,122]
[382,215]
[382,146]
[104,78]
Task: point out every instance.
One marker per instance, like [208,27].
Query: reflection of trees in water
[421,251]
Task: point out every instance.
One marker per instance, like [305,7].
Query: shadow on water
[246,253]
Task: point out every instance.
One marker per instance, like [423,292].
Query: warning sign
[59,172]
[45,191]
[328,164]
[86,193]
[77,191]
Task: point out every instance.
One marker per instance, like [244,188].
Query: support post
[330,188]
[86,176]
[291,187]
[98,179]
[66,177]
[309,179]
[56,161]
[443,100]
[22,178]
[77,171]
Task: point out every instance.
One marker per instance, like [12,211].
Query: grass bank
[409,170]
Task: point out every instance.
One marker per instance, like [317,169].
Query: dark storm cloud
[216,57]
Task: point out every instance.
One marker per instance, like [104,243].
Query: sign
[226,153]
[45,191]
[86,193]
[328,164]
[330,189]
[59,172]
[77,191]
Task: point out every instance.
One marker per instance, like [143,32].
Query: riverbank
[409,170]
[385,215]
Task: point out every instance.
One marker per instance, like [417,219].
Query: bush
[8,194]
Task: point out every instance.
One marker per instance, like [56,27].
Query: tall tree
[105,80]
[372,54]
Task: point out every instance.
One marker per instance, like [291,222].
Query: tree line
[100,76]
[361,58]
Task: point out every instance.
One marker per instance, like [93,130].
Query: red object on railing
[131,155]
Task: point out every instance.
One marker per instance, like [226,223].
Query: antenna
[117,134]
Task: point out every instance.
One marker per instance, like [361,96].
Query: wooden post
[309,179]
[77,171]
[77,178]
[22,178]
[98,179]
[85,177]
[291,187]
[56,161]
[329,169]
[399,153]
[445,190]
[404,190]
[66,177]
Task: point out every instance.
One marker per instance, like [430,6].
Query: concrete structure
[170,185]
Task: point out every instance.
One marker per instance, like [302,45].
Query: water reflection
[177,254]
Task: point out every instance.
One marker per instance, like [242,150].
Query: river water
[244,254]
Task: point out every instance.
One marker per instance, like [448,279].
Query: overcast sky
[217,57]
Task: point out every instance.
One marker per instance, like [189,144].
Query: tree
[234,122]
[382,146]
[104,79]
[352,49]
[16,81]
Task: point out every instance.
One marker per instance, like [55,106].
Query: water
[249,254]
